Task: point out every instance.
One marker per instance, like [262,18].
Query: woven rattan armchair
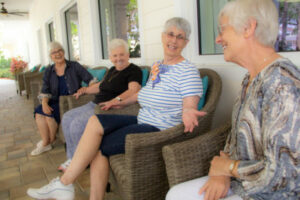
[20,78]
[28,78]
[191,159]
[69,102]
[140,174]
[36,83]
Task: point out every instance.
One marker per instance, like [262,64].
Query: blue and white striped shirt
[161,105]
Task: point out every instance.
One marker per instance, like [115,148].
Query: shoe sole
[41,152]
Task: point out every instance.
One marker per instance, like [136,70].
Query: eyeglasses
[55,52]
[170,35]
[221,28]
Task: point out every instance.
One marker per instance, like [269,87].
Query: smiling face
[231,41]
[57,55]
[119,57]
[174,40]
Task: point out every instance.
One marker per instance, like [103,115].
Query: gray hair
[115,43]
[55,45]
[263,11]
[179,23]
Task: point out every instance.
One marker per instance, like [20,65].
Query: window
[52,36]
[289,25]
[72,27]
[119,19]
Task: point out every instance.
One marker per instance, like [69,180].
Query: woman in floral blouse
[261,159]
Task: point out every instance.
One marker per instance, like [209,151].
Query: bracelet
[232,166]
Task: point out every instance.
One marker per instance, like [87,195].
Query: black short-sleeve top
[116,82]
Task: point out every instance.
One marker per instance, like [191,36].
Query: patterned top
[265,134]
[162,103]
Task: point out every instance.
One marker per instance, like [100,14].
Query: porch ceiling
[16,6]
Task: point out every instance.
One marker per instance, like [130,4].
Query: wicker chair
[20,78]
[69,102]
[140,172]
[191,159]
[36,82]
[27,79]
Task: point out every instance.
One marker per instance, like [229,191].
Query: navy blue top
[74,75]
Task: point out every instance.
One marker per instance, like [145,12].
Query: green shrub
[6,73]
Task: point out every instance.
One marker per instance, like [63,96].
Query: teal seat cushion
[145,77]
[34,68]
[205,86]
[97,73]
[42,68]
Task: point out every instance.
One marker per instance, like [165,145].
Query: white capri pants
[189,191]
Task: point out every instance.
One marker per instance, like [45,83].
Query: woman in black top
[62,78]
[121,81]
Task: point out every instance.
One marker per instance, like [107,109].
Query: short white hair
[179,23]
[115,43]
[55,45]
[263,11]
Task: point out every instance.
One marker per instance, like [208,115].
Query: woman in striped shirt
[170,97]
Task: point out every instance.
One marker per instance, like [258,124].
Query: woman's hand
[80,92]
[46,108]
[114,103]
[215,188]
[190,118]
[219,165]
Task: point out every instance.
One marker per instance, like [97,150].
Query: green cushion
[145,77]
[98,73]
[33,69]
[205,86]
[42,68]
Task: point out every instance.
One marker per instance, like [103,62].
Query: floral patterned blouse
[265,134]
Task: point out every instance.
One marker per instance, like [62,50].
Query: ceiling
[16,6]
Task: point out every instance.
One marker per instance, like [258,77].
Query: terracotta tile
[33,175]
[19,192]
[9,173]
[12,163]
[16,154]
[10,182]
[4,194]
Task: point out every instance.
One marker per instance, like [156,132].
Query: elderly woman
[262,154]
[122,80]
[169,98]
[62,78]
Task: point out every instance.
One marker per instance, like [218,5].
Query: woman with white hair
[122,80]
[62,78]
[262,154]
[170,97]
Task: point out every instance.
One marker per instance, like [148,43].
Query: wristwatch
[119,98]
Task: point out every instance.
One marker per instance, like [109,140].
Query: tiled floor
[18,136]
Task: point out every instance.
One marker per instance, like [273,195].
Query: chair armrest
[191,159]
[128,110]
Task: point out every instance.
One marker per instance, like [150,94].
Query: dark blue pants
[116,127]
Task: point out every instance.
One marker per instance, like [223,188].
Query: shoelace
[52,182]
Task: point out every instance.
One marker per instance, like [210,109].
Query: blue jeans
[73,124]
[116,127]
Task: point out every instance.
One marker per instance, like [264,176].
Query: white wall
[152,16]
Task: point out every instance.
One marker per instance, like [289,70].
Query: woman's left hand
[219,165]
[190,118]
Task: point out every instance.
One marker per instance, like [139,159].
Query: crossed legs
[86,154]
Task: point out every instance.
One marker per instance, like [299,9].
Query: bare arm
[91,89]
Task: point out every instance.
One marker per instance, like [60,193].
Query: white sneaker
[40,149]
[54,190]
[40,143]
[63,167]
